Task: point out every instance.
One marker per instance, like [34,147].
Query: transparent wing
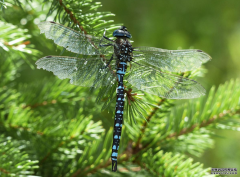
[72,40]
[171,60]
[90,72]
[163,84]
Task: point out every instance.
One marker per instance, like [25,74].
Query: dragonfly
[104,62]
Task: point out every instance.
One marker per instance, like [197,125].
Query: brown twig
[40,104]
[4,171]
[163,100]
[23,43]
[154,110]
[129,95]
[72,17]
[203,124]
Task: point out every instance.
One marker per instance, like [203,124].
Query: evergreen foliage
[52,128]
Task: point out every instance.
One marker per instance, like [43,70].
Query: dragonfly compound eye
[122,32]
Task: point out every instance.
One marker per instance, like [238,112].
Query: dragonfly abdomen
[121,69]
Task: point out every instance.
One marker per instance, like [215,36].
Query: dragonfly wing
[89,72]
[171,60]
[163,84]
[72,40]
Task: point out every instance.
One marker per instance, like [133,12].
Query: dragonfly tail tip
[114,165]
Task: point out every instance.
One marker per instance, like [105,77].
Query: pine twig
[155,109]
[72,17]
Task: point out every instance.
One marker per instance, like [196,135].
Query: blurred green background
[212,26]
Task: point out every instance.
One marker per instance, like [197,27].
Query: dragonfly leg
[108,62]
[107,37]
[105,45]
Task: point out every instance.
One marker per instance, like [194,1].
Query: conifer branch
[130,152]
[151,114]
[203,124]
[161,102]
[54,150]
[72,17]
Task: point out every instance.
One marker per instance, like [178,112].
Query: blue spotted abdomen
[118,119]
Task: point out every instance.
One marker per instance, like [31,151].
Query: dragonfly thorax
[123,49]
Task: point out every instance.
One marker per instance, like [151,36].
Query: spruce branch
[152,113]
[83,14]
[230,88]
[19,163]
[204,123]
[72,16]
[17,44]
[168,164]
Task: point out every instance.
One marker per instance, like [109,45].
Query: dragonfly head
[122,32]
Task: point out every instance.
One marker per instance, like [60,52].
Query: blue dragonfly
[104,62]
